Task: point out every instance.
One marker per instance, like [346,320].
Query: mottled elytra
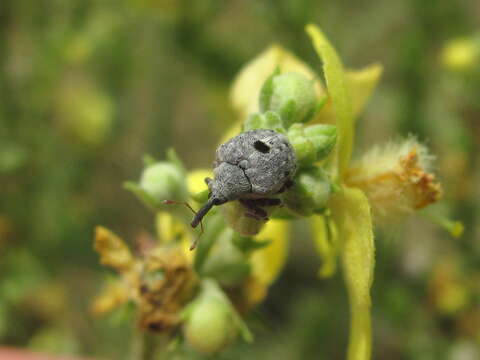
[250,167]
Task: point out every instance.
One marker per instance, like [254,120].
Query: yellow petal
[113,251]
[269,261]
[360,86]
[113,295]
[246,87]
[351,211]
[255,292]
[337,90]
[461,54]
[196,180]
[167,227]
[325,235]
[170,229]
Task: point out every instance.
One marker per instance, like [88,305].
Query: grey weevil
[251,167]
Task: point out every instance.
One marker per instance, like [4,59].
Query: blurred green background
[87,87]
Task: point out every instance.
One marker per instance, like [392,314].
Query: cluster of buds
[175,288]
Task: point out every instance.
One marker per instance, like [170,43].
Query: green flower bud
[269,120]
[310,193]
[211,322]
[209,328]
[165,180]
[312,143]
[291,95]
[225,262]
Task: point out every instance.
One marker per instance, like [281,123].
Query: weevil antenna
[173,202]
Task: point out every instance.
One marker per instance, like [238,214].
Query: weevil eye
[261,146]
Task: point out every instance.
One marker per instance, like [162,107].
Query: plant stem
[144,345]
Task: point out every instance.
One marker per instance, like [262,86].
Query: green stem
[144,345]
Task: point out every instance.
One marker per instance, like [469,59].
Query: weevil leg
[266,202]
[253,209]
[288,184]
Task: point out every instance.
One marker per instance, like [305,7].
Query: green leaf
[253,122]
[352,214]
[335,78]
[141,194]
[214,225]
[173,157]
[247,244]
[149,160]
[268,120]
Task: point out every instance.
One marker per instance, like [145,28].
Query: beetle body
[250,167]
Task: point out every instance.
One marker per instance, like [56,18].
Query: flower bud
[312,143]
[291,95]
[165,180]
[310,193]
[211,322]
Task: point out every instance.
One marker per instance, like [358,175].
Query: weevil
[251,167]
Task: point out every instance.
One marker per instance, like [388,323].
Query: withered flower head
[159,283]
[396,178]
[166,283]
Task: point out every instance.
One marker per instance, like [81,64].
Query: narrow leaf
[351,210]
[325,236]
[337,89]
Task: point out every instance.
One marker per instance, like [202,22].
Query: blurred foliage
[88,87]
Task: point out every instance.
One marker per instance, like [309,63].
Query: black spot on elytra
[261,146]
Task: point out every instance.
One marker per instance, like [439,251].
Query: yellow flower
[351,210]
[461,54]
[350,207]
[346,229]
